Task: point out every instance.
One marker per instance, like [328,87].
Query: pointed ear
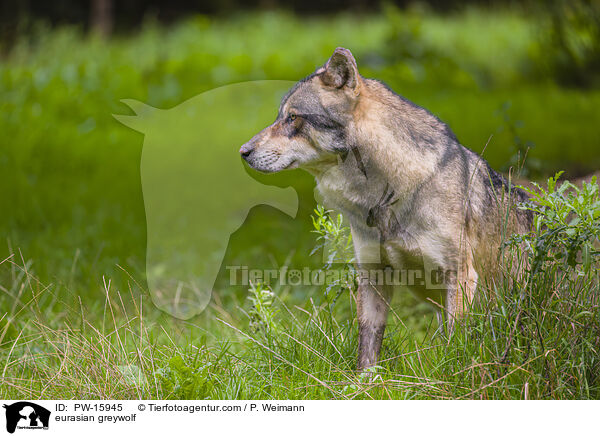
[341,70]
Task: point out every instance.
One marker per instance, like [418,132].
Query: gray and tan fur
[413,195]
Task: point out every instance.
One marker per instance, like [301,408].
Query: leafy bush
[566,227]
[545,321]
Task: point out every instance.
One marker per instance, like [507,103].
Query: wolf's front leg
[372,307]
[461,289]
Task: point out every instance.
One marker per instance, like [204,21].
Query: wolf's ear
[341,70]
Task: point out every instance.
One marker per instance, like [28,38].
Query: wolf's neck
[395,146]
[350,187]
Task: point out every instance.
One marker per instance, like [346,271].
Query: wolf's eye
[291,117]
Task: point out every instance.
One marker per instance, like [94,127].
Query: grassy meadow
[76,319]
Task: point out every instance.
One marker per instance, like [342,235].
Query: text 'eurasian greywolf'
[414,197]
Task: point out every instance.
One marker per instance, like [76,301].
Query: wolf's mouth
[290,165]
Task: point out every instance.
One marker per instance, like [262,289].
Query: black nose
[247,150]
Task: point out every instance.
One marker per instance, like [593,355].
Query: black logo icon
[26,415]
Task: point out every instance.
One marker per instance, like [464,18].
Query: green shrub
[545,321]
[566,227]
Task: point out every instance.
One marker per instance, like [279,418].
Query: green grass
[514,345]
[533,334]
[76,320]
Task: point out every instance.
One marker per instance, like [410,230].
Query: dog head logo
[26,415]
[196,189]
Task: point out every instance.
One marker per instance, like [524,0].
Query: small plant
[333,236]
[367,376]
[262,313]
[186,379]
[336,241]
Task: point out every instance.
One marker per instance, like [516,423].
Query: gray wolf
[413,195]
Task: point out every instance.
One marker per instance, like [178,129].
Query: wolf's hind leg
[372,307]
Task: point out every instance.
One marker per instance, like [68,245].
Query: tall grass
[528,337]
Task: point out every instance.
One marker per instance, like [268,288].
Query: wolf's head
[310,128]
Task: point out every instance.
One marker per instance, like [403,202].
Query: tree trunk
[101,17]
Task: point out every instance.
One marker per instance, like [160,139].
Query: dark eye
[292,117]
